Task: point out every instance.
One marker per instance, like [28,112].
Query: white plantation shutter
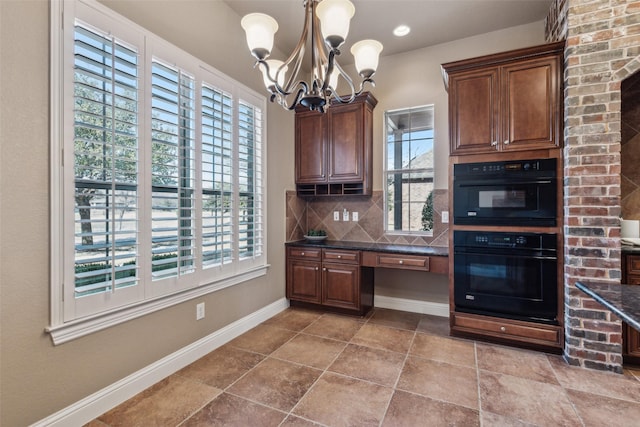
[105,163]
[250,181]
[157,173]
[172,172]
[217,177]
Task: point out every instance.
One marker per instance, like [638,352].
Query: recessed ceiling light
[401,30]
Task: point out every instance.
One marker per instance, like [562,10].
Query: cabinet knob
[316,268]
[494,143]
[302,253]
[401,262]
[324,268]
[339,256]
[503,329]
[506,142]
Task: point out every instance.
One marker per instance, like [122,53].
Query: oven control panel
[504,240]
[535,166]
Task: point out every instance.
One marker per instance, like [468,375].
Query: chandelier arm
[299,50]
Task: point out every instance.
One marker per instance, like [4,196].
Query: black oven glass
[506,274]
[505,193]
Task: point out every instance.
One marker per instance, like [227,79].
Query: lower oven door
[507,283]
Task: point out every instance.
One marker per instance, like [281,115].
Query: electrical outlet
[345,216]
[354,216]
[200,311]
[445,217]
[336,215]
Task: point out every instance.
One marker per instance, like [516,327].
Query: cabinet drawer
[633,264]
[399,261]
[347,257]
[506,329]
[306,253]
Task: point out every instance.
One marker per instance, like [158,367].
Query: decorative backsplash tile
[317,213]
[630,149]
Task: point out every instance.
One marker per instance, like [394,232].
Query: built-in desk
[338,275]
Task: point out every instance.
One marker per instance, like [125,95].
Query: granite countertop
[623,300]
[628,249]
[374,247]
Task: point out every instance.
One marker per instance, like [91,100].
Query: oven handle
[493,182]
[537,255]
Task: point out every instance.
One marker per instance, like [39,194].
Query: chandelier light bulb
[366,54]
[335,16]
[274,66]
[259,29]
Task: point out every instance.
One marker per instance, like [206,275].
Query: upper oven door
[505,201]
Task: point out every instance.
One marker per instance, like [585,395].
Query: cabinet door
[310,150]
[630,336]
[531,100]
[341,285]
[631,340]
[303,280]
[346,143]
[473,111]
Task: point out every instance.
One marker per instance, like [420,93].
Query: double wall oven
[498,269]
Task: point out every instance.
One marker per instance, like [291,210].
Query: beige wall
[414,78]
[38,379]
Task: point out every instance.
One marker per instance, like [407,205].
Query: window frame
[68,320]
[386,171]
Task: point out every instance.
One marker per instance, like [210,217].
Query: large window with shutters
[158,173]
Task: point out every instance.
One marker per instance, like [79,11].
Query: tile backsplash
[630,149]
[317,213]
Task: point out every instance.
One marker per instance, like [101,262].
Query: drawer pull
[302,253]
[503,329]
[339,256]
[401,262]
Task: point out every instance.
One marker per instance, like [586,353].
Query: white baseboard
[413,306]
[98,403]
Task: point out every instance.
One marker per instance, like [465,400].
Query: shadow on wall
[317,213]
[630,149]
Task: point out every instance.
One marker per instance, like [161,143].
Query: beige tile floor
[392,368]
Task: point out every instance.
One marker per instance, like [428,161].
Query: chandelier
[328,18]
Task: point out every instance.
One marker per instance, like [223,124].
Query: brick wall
[603,43]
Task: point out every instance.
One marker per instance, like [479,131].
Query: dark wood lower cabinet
[305,281]
[630,336]
[332,279]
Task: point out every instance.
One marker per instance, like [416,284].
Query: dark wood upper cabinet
[333,150]
[506,102]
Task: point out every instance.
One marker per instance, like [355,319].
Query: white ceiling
[432,21]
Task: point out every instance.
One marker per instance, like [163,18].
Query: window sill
[70,331]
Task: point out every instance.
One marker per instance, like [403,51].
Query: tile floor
[392,368]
